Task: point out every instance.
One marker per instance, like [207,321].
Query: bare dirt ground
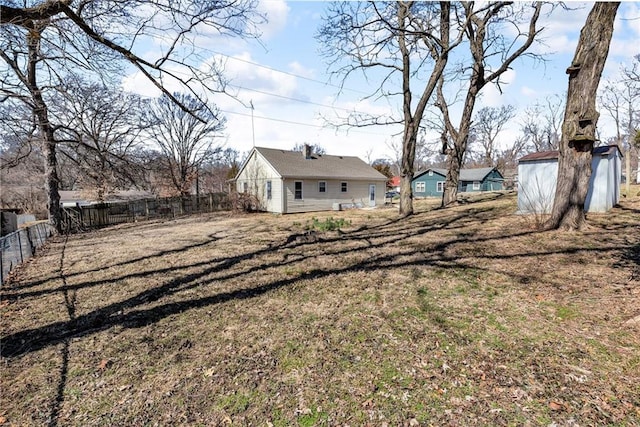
[464,316]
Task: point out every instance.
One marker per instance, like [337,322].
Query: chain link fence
[20,245]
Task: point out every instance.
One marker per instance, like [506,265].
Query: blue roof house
[430,182]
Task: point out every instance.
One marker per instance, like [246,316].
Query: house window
[245,187]
[322,187]
[430,173]
[420,187]
[343,187]
[268,190]
[297,190]
[476,185]
[440,186]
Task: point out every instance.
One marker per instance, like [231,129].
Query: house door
[372,195]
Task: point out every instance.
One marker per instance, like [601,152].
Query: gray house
[430,182]
[538,174]
[293,181]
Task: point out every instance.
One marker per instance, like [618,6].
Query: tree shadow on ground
[367,242]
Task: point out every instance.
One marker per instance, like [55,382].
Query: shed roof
[475,174]
[293,164]
[603,150]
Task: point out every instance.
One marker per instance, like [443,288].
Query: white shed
[538,173]
[292,181]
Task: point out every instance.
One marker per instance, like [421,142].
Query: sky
[288,83]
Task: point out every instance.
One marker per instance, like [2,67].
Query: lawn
[463,316]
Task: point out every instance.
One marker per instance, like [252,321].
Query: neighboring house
[293,181]
[394,183]
[538,173]
[430,183]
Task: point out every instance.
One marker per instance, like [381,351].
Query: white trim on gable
[252,153]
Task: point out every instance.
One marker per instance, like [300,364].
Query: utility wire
[294,123]
[246,61]
[284,72]
[292,99]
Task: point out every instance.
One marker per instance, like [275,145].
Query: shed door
[372,195]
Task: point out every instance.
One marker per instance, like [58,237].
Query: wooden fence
[104,214]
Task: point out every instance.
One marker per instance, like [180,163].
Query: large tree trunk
[580,118]
[409,134]
[455,155]
[406,172]
[452,181]
[52,181]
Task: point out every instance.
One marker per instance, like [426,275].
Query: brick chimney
[306,151]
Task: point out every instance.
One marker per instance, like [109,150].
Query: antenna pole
[253,131]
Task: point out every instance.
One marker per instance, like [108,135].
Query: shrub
[329,224]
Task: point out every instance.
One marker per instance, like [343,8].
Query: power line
[292,99]
[246,61]
[284,72]
[292,122]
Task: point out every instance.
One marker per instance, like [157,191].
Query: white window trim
[421,187]
[440,186]
[476,185]
[269,190]
[301,190]
[325,187]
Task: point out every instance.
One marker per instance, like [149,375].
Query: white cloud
[528,92]
[276,13]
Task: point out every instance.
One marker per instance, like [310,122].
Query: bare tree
[508,158]
[620,99]
[488,123]
[581,117]
[99,128]
[492,53]
[542,123]
[21,169]
[215,175]
[42,41]
[315,148]
[184,140]
[410,43]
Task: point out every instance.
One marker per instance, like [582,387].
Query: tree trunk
[406,173]
[580,118]
[451,183]
[409,134]
[52,182]
[41,112]
[455,155]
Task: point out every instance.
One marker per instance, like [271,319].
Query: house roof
[603,150]
[293,164]
[475,174]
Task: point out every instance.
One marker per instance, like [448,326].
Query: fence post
[20,246]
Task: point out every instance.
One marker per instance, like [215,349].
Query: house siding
[313,200]
[430,185]
[256,173]
[491,182]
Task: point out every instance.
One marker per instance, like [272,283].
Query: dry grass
[464,316]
